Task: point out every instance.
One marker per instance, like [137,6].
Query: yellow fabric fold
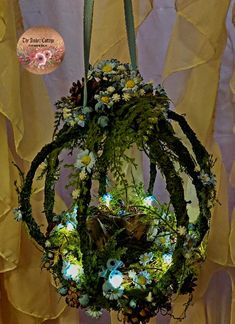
[195,50]
[109,33]
[26,124]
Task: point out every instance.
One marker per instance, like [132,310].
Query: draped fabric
[186,44]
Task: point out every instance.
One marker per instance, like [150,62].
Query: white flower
[126,96]
[121,67]
[17,214]
[132,274]
[75,193]
[85,161]
[146,258]
[110,89]
[66,113]
[82,175]
[181,230]
[116,97]
[81,120]
[142,92]
[94,313]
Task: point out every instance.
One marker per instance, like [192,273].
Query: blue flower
[146,258]
[103,121]
[167,258]
[84,300]
[63,291]
[142,279]
[132,303]
[112,293]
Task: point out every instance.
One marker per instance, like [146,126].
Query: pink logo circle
[40,50]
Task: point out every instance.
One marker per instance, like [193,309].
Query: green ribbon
[130,29]
[87,30]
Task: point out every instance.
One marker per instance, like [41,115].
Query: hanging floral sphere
[125,250]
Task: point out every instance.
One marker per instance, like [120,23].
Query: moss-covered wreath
[123,250]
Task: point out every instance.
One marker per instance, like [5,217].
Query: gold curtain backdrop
[185,40]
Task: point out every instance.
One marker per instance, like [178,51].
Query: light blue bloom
[112,293]
[63,291]
[93,312]
[84,300]
[103,121]
[146,258]
[86,110]
[142,279]
[132,303]
[167,258]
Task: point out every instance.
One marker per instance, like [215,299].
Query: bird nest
[123,250]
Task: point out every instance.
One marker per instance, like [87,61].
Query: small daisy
[181,230]
[110,89]
[66,113]
[141,92]
[95,313]
[167,258]
[126,96]
[110,293]
[85,161]
[132,274]
[105,100]
[130,84]
[121,67]
[142,279]
[17,214]
[82,175]
[116,97]
[146,258]
[76,193]
[81,120]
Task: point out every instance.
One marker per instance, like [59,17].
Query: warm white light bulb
[116,279]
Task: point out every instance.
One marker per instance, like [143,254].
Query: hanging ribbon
[130,29]
[87,31]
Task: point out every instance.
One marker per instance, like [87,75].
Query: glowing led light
[150,201]
[69,226]
[167,258]
[107,198]
[115,279]
[71,271]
